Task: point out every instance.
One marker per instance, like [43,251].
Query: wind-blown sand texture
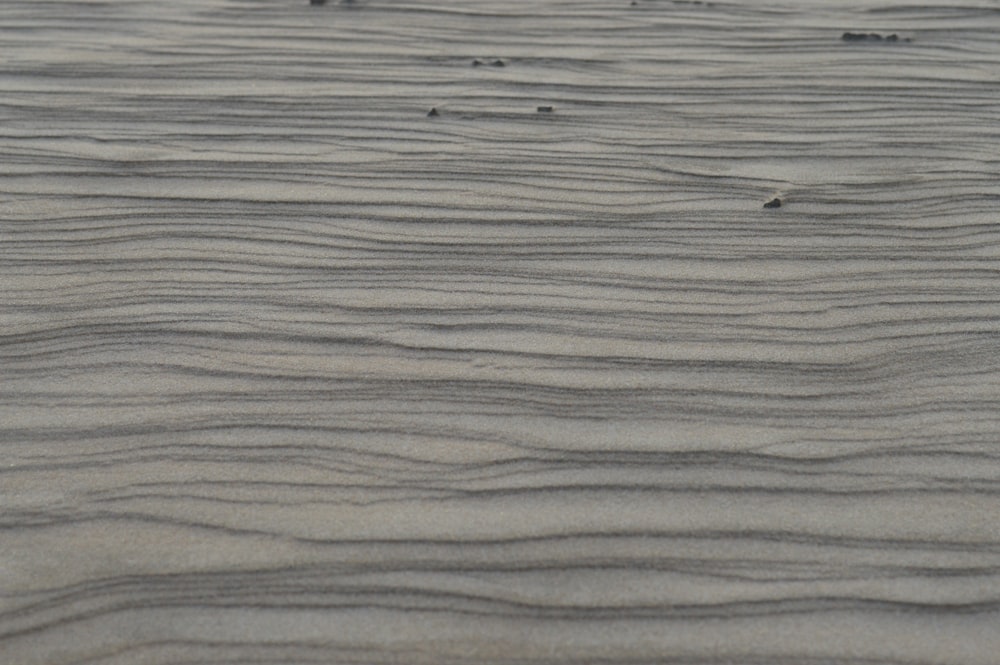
[291,372]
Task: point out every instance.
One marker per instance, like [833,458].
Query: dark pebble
[871,37]
[773,203]
[545,109]
[498,63]
[861,37]
[433,113]
[477,63]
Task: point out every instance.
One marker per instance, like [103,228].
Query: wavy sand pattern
[294,373]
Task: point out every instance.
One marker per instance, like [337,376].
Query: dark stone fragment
[861,36]
[871,37]
[477,63]
[433,113]
[773,203]
[498,63]
[545,109]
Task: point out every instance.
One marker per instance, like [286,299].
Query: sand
[294,371]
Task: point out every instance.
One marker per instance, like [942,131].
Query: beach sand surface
[293,370]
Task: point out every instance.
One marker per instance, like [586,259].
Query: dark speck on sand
[870,37]
[773,203]
[433,113]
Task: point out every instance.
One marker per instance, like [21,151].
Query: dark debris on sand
[773,203]
[871,37]
[433,113]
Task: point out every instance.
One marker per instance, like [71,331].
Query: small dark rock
[477,63]
[871,37]
[433,113]
[498,63]
[861,37]
[773,203]
[545,109]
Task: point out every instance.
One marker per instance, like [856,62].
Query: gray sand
[291,372]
